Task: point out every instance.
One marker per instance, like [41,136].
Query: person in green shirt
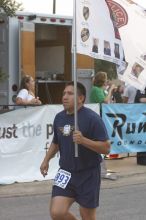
[101,94]
[98,93]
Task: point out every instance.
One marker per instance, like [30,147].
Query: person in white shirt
[129,94]
[26,94]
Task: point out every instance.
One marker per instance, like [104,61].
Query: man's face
[68,99]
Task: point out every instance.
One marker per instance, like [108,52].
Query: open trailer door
[27,49]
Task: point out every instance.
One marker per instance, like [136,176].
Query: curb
[44,187]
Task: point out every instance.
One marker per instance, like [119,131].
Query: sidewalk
[125,166]
[126,170]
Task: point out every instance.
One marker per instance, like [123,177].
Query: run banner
[126,125]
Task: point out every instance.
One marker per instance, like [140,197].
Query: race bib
[62,178]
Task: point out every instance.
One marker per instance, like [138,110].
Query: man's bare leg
[59,208]
[87,213]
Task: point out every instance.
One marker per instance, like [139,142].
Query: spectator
[26,94]
[117,98]
[99,94]
[129,94]
[141,98]
[117,94]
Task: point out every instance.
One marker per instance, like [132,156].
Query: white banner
[133,35]
[24,135]
[97,34]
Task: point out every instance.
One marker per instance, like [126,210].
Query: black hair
[80,88]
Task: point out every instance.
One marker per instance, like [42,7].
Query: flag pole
[75,73]
[54,6]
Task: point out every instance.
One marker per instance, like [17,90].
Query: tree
[10,7]
[110,68]
[3,76]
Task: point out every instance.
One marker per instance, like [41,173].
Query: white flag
[133,35]
[97,34]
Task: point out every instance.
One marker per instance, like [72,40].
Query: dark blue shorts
[84,187]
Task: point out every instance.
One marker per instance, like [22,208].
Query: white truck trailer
[39,45]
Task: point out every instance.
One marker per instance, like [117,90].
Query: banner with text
[25,135]
[126,125]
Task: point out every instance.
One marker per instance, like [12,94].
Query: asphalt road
[116,203]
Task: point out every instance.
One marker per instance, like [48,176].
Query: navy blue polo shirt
[91,126]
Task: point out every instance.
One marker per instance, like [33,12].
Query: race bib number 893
[62,178]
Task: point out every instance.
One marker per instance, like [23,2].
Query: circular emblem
[119,13]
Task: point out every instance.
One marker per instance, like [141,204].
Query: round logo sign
[119,13]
